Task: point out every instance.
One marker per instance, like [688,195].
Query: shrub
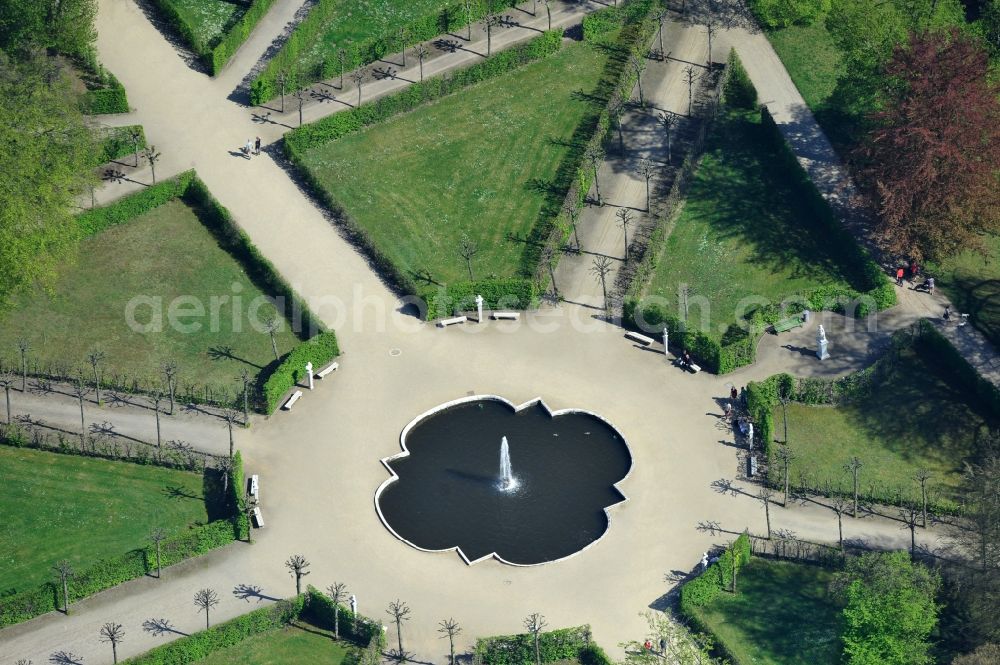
[739,92]
[102,101]
[359,629]
[783,13]
[199,645]
[319,350]
[95,220]
[592,654]
[497,293]
[116,142]
[518,649]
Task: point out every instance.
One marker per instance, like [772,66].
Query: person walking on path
[899,276]
[914,271]
[248,148]
[256,146]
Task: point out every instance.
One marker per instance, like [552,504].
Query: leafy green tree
[783,13]
[890,609]
[70,26]
[46,155]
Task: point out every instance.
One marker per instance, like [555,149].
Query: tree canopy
[47,156]
[65,26]
[931,157]
[890,609]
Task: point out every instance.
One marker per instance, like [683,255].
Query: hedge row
[498,294]
[93,221]
[116,143]
[359,629]
[131,565]
[563,644]
[310,32]
[298,141]
[101,101]
[202,644]
[319,350]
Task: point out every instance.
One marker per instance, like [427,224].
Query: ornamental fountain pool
[544,500]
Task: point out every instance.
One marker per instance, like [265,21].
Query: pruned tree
[421,52]
[922,476]
[95,358]
[764,495]
[490,20]
[595,156]
[80,390]
[157,536]
[690,77]
[910,517]
[358,78]
[245,378]
[468,18]
[135,136]
[224,466]
[6,382]
[272,324]
[402,44]
[839,506]
[548,259]
[785,457]
[399,612]
[661,18]
[342,57]
[113,633]
[601,268]
[668,120]
[205,600]
[230,415]
[338,594]
[152,156]
[296,566]
[23,346]
[548,13]
[282,80]
[574,213]
[931,156]
[625,218]
[711,31]
[638,64]
[854,466]
[468,249]
[300,96]
[616,111]
[65,571]
[449,627]
[646,171]
[535,623]
[157,397]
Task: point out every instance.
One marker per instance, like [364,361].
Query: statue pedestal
[821,352]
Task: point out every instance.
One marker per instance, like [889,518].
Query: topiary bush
[319,350]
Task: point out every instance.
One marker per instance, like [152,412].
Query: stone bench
[258,517]
[326,370]
[641,339]
[509,316]
[444,323]
[253,487]
[296,396]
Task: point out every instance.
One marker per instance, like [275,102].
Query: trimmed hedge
[562,644]
[101,101]
[497,293]
[116,143]
[95,220]
[717,578]
[319,350]
[783,13]
[134,564]
[357,628]
[310,31]
[739,91]
[202,644]
[593,655]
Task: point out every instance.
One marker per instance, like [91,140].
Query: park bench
[292,400]
[444,323]
[326,370]
[788,324]
[253,487]
[751,467]
[258,517]
[641,339]
[511,316]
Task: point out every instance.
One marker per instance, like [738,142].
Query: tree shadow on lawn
[740,194]
[774,596]
[225,352]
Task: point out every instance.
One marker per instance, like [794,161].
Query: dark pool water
[447,494]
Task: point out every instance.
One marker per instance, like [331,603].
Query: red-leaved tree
[933,158]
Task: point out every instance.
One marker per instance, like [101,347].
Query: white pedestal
[821,352]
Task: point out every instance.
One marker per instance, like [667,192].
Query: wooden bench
[258,518]
[788,324]
[253,487]
[326,370]
[510,316]
[636,337]
[292,400]
[444,323]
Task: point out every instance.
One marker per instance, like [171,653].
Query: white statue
[704,562]
[666,341]
[354,604]
[750,435]
[479,308]
[821,344]
[309,373]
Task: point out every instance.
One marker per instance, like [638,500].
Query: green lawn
[300,643]
[811,58]
[921,416]
[782,615]
[357,20]
[744,232]
[84,509]
[165,253]
[208,20]
[972,282]
[484,162]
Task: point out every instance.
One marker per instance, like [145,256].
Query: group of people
[914,270]
[251,148]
